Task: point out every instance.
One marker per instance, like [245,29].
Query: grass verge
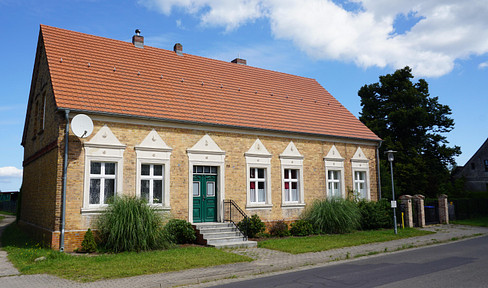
[6,213]
[480,221]
[22,253]
[2,217]
[297,245]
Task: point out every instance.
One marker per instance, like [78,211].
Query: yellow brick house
[182,131]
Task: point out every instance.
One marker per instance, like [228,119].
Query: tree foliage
[414,124]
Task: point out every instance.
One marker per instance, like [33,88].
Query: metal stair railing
[233,213]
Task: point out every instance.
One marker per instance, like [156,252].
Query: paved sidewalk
[267,261]
[6,268]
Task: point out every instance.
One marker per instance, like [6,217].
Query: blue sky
[342,44]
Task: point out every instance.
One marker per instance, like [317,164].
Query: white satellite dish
[82,125]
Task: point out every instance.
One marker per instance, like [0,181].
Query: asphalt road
[460,264]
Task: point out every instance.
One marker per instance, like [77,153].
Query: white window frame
[256,180]
[288,194]
[360,163]
[258,157]
[103,147]
[154,151]
[357,182]
[102,177]
[331,181]
[151,178]
[292,159]
[334,162]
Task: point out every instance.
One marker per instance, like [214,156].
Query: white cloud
[483,65]
[446,30]
[10,172]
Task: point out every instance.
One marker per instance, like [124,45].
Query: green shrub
[180,231]
[333,216]
[89,245]
[279,229]
[375,215]
[301,228]
[251,226]
[129,224]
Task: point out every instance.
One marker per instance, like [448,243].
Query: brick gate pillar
[443,209]
[418,200]
[406,202]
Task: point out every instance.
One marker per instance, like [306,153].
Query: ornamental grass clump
[129,224]
[333,216]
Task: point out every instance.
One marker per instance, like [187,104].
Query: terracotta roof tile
[110,76]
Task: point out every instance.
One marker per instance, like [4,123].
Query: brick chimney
[138,40]
[178,48]
[239,61]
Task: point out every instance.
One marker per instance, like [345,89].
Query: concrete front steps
[221,235]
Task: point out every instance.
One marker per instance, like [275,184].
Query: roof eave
[377,141]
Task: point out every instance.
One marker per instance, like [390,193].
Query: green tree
[414,124]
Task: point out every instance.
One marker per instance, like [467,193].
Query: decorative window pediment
[258,150]
[206,145]
[291,152]
[104,139]
[359,160]
[153,142]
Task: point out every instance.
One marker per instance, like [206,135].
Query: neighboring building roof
[100,75]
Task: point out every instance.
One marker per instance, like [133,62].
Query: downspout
[65,173]
[378,168]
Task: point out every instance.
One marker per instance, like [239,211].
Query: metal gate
[431,212]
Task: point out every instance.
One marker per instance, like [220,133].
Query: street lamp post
[393,202]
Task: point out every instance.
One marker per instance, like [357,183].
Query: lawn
[22,253]
[297,245]
[480,221]
[6,213]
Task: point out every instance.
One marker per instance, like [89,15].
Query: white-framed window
[360,175]
[334,186]
[360,184]
[334,173]
[292,177]
[153,167]
[152,183]
[291,183]
[103,182]
[257,185]
[104,164]
[258,177]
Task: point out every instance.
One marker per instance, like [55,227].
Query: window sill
[99,210]
[159,207]
[259,206]
[93,210]
[292,205]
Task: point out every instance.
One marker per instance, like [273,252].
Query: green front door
[204,198]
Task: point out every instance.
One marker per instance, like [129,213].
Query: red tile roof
[91,73]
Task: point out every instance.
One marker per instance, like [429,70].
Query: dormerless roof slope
[101,75]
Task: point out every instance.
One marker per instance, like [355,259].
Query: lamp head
[390,155]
